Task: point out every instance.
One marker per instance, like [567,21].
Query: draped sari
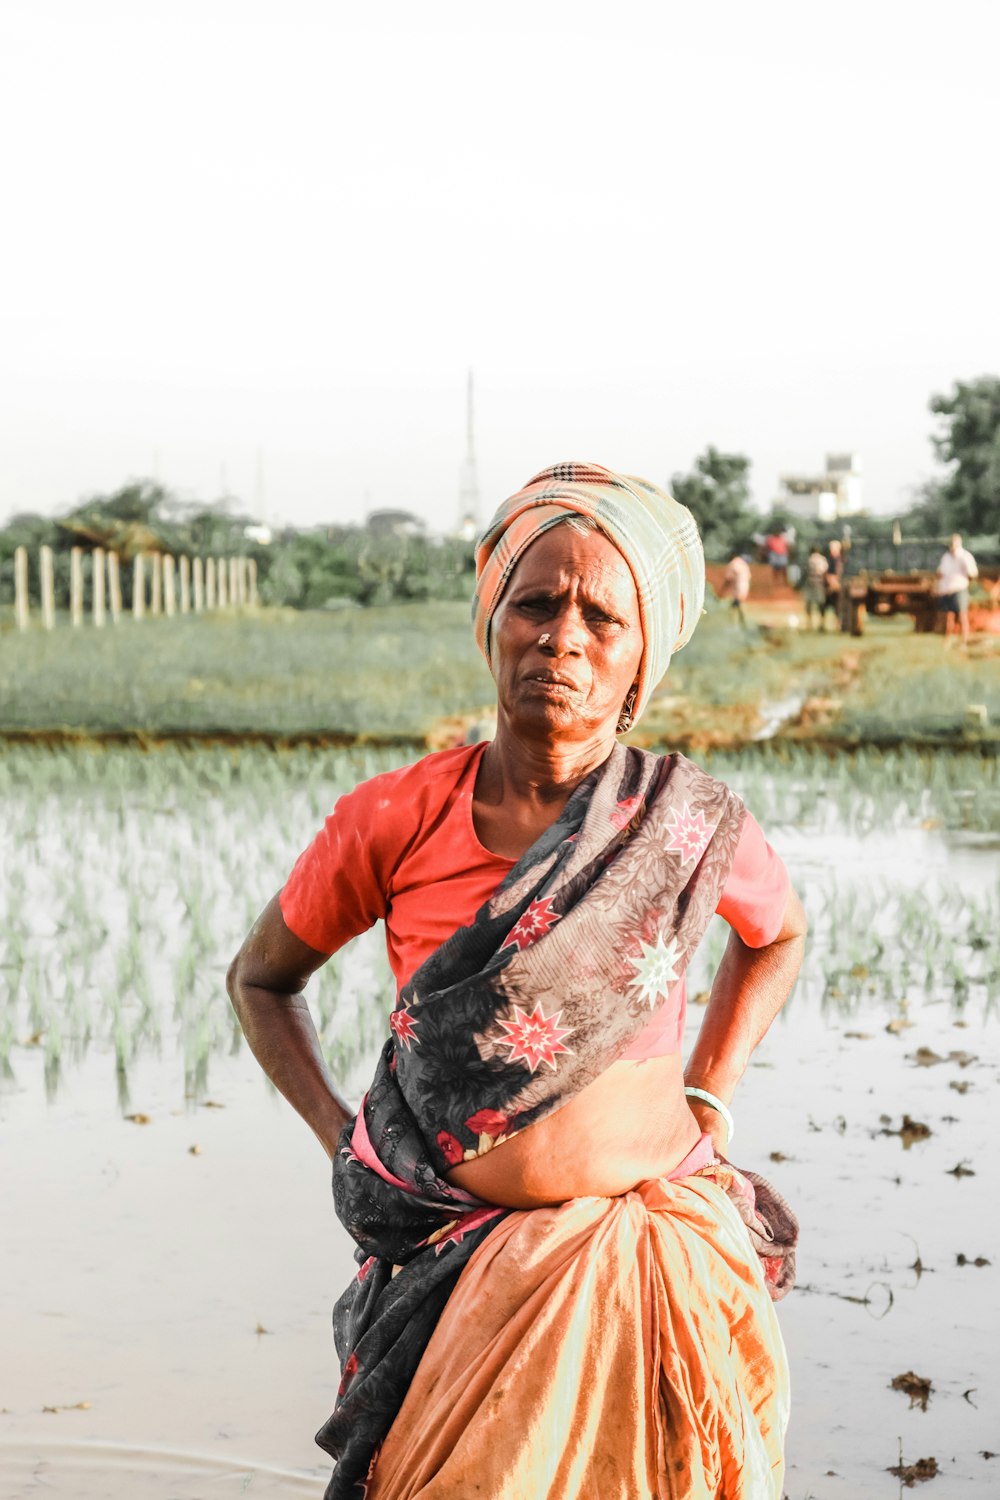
[511,1017]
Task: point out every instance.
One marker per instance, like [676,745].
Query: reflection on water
[92,1471]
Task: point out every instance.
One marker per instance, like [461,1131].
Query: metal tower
[469,518]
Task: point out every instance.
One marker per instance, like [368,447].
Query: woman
[563,1287]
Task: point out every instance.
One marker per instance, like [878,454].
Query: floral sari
[511,1017]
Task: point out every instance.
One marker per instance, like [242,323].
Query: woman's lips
[546,680]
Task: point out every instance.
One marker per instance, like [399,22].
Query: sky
[254,246]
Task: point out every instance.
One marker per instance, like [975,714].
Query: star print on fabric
[689,833]
[404,1027]
[532,924]
[624,811]
[655,971]
[536,1038]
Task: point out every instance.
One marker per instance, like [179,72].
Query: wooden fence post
[210,596]
[21,587]
[252,581]
[155,583]
[198,584]
[139,586]
[76,586]
[184,573]
[222,582]
[48,580]
[234,582]
[97,587]
[169,589]
[114,588]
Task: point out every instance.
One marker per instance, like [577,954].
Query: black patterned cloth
[507,1020]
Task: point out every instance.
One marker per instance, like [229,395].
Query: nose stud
[543,640]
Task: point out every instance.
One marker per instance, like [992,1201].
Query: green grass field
[397,672]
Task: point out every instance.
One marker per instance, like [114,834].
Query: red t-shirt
[402,847]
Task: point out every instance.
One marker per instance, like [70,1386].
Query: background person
[814,588]
[736,584]
[532,1153]
[955,572]
[833,582]
[777,555]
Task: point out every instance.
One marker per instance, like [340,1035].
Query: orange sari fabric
[601,1349]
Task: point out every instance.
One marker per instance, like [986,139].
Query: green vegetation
[717,493]
[323,567]
[968,498]
[399,671]
[123,946]
[390,671]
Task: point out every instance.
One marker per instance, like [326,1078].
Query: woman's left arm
[751,985]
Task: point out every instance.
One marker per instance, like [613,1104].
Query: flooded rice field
[169,1253]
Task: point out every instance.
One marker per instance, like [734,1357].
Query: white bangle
[716,1104]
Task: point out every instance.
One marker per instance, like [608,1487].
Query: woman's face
[566,639]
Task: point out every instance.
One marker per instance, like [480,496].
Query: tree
[968,498]
[717,492]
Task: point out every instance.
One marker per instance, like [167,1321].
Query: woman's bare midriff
[630,1124]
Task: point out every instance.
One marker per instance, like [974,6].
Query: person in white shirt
[736,584]
[954,573]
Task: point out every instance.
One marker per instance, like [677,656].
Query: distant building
[825,497]
[395,523]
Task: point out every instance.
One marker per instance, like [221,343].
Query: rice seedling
[122,947]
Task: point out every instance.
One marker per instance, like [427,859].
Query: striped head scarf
[654,533]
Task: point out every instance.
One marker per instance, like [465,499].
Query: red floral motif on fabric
[536,1038]
[350,1368]
[404,1027]
[624,811]
[450,1148]
[688,832]
[532,924]
[487,1122]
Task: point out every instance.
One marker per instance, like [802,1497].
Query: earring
[543,640]
[627,715]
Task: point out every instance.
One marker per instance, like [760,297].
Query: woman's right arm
[265,983]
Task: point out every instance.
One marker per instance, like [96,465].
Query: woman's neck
[542,773]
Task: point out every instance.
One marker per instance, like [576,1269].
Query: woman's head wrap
[654,533]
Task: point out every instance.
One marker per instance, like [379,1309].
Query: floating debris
[76,1406]
[960,1085]
[859,1036]
[926,1057]
[909,1131]
[961,1170]
[967,1260]
[194,1150]
[140,1119]
[911,1474]
[917,1387]
[898,1024]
